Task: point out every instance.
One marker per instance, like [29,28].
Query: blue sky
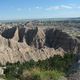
[27,9]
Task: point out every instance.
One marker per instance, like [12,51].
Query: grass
[37,74]
[54,68]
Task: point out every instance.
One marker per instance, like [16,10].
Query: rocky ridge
[23,44]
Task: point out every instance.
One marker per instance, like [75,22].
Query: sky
[34,9]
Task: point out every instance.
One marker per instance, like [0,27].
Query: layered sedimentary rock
[58,38]
[24,44]
[35,37]
[75,71]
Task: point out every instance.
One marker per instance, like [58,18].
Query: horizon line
[37,18]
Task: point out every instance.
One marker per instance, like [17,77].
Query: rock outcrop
[58,38]
[75,71]
[24,44]
[35,37]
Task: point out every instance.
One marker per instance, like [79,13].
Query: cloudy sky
[27,9]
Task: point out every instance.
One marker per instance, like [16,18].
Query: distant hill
[42,19]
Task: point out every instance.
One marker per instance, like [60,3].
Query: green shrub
[37,74]
[61,64]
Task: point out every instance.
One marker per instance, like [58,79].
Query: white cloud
[59,7]
[19,9]
[53,8]
[38,7]
[72,4]
[78,7]
[66,6]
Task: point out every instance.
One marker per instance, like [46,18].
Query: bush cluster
[59,63]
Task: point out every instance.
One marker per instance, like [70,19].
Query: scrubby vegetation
[49,69]
[37,74]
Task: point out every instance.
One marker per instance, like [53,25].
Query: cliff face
[23,44]
[35,37]
[57,38]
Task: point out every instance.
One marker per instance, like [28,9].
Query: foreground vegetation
[49,69]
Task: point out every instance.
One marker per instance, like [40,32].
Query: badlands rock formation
[24,44]
[75,71]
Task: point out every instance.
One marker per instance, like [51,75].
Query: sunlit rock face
[23,44]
